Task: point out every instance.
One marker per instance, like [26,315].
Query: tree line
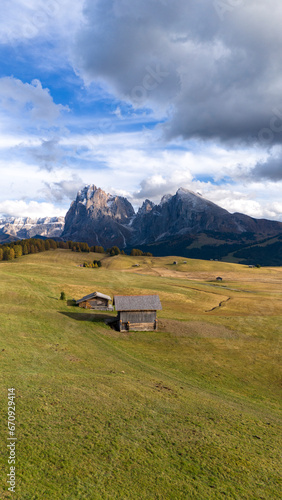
[10,251]
[14,250]
[134,252]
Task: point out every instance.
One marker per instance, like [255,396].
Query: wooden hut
[137,312]
[95,300]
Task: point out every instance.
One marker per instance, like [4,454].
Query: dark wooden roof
[92,296]
[137,302]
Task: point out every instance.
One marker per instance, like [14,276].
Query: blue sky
[140,98]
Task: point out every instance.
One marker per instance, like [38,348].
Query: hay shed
[137,312]
[95,300]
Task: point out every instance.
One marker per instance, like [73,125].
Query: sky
[140,97]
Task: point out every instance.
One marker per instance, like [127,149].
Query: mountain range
[182,224]
[19,228]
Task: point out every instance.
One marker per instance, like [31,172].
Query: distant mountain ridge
[102,219]
[13,228]
[181,224]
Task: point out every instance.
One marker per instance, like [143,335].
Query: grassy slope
[191,411]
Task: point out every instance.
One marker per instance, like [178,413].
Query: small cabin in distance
[95,300]
[137,312]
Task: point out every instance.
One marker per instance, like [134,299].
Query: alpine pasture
[191,411]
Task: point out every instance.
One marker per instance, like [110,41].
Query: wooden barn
[137,312]
[97,301]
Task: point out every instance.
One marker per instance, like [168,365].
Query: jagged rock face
[25,227]
[146,207]
[102,219]
[98,218]
[184,213]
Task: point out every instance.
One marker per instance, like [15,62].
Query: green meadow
[192,411]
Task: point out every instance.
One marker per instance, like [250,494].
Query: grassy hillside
[247,248]
[190,411]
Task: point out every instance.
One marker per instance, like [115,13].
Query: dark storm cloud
[270,170]
[213,66]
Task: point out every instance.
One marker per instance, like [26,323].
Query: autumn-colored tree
[136,252]
[97,249]
[8,253]
[18,251]
[53,244]
[97,263]
[113,251]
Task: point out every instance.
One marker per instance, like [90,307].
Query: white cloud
[50,189]
[31,100]
[250,199]
[25,20]
[33,209]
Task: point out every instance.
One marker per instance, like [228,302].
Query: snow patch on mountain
[25,227]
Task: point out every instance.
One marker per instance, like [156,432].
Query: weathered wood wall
[137,320]
[138,316]
[95,303]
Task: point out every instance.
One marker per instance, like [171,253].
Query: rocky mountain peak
[196,202]
[146,207]
[96,216]
[92,196]
[86,193]
[191,196]
[165,199]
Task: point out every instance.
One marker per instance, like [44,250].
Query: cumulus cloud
[216,73]
[34,101]
[156,186]
[33,209]
[243,201]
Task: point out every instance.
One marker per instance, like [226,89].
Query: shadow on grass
[96,318]
[71,302]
